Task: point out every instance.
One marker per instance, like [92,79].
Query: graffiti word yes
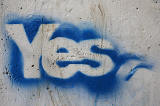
[61,57]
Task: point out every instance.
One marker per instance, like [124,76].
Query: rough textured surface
[135,25]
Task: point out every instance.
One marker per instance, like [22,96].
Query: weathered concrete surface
[135,25]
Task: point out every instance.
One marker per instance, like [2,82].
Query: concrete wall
[125,26]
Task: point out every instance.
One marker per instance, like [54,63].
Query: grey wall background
[134,24]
